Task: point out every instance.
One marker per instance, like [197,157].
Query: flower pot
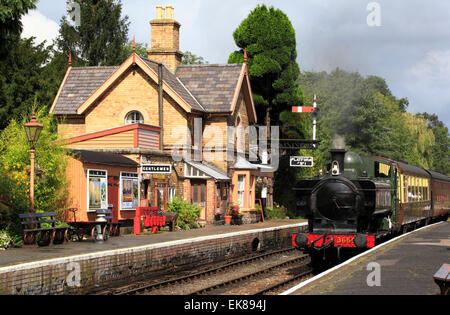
[228,219]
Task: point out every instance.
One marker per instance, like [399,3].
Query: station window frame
[134,117]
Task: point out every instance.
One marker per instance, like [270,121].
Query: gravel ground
[250,286]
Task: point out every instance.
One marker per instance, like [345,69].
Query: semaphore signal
[309,109]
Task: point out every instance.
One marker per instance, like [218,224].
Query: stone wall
[98,271]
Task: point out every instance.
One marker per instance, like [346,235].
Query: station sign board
[156,169]
[302,161]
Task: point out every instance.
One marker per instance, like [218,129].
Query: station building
[152,129]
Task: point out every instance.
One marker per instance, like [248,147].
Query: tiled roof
[206,88]
[170,78]
[213,86]
[80,84]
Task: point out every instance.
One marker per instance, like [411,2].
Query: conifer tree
[99,38]
[269,38]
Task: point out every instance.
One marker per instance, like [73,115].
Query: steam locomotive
[362,199]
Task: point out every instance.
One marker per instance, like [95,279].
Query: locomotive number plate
[344,240]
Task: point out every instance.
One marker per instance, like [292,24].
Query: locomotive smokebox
[337,161]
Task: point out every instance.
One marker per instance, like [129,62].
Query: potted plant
[232,210]
[237,216]
[228,217]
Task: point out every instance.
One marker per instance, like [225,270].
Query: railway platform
[50,270]
[405,266]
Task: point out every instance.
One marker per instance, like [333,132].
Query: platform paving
[406,267]
[16,256]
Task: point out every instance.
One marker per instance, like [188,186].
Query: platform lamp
[33,130]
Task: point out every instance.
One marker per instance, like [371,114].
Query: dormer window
[134,118]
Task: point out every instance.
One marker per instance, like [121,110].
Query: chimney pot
[169,12]
[160,12]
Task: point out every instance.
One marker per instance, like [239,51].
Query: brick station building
[157,112]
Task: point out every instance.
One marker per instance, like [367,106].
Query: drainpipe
[160,105]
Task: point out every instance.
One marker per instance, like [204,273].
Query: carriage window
[134,118]
[405,189]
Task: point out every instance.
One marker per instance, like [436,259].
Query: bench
[33,225]
[171,219]
[442,279]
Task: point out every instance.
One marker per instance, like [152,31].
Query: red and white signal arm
[303,109]
[302,161]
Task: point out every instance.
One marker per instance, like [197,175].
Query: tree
[269,38]
[127,50]
[11,12]
[440,150]
[26,76]
[51,161]
[365,113]
[100,37]
[191,59]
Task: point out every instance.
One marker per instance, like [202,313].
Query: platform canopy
[200,170]
[103,158]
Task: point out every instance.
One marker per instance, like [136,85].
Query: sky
[406,42]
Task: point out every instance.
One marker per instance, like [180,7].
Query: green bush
[276,213]
[51,161]
[5,240]
[188,213]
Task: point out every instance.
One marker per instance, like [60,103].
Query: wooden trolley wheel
[59,237]
[111,230]
[105,232]
[29,238]
[66,235]
[45,236]
[94,234]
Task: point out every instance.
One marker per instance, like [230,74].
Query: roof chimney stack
[165,38]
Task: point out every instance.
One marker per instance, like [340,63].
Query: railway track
[151,287]
[261,282]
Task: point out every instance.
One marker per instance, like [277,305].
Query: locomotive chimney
[337,161]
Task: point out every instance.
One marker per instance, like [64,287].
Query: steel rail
[151,286]
[302,276]
[290,262]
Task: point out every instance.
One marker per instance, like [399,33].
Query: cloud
[428,84]
[37,25]
[410,49]
[434,67]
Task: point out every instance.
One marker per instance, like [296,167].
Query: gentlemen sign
[156,169]
[302,161]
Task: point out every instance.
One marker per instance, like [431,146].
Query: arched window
[134,118]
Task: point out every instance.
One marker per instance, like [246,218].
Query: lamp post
[33,130]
